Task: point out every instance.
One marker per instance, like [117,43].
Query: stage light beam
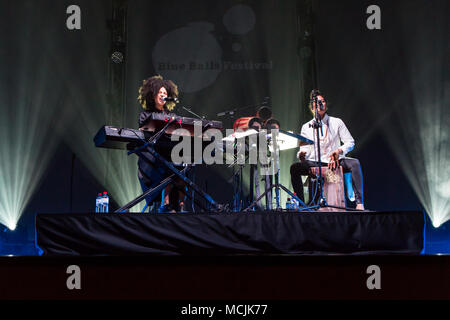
[86,113]
[420,135]
[29,98]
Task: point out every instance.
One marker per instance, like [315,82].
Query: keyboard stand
[148,192]
[149,146]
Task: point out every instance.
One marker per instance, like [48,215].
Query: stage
[212,258]
[218,234]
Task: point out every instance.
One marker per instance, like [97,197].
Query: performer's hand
[333,164]
[334,159]
[302,155]
[335,154]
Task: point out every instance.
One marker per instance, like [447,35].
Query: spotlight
[117,57]
[12,226]
[118,51]
[436,223]
[9,224]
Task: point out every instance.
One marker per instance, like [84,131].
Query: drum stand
[239,201]
[277,185]
[238,193]
[254,184]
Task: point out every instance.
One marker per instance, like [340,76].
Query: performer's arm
[143,116]
[347,146]
[304,151]
[346,138]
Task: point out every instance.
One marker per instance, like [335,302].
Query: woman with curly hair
[152,95]
[154,90]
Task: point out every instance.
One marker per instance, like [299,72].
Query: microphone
[170,99]
[221,114]
[321,107]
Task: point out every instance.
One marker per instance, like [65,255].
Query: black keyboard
[120,138]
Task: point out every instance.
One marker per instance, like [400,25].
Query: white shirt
[334,133]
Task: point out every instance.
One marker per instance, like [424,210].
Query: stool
[333,187]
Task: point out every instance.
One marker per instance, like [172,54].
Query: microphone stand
[193,113]
[317,123]
[202,118]
[231,112]
[193,166]
[316,115]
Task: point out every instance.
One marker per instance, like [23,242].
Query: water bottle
[105,202]
[98,203]
[288,204]
[295,203]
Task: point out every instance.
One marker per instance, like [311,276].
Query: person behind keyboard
[152,96]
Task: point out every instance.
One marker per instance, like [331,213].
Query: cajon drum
[333,187]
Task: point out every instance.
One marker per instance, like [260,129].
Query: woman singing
[152,95]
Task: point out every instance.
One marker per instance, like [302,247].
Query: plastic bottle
[98,203]
[288,204]
[295,203]
[105,202]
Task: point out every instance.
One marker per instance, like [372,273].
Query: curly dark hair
[315,92]
[150,88]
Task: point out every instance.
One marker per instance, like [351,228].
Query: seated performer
[152,95]
[332,152]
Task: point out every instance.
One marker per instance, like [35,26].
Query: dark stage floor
[258,233]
